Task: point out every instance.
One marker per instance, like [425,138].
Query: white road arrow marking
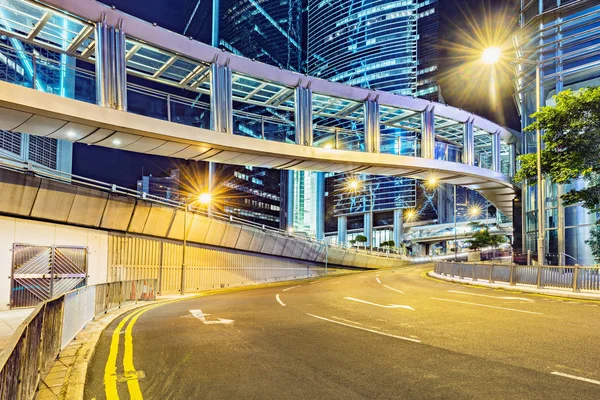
[380,305]
[202,317]
[492,297]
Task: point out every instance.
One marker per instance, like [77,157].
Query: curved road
[391,334]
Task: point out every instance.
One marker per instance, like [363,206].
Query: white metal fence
[576,278]
[34,346]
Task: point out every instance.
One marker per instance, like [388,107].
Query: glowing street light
[328,146]
[474,211]
[353,184]
[204,198]
[491,55]
[410,215]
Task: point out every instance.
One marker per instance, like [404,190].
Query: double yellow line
[130,375]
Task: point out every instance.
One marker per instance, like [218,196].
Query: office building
[563,36]
[17,66]
[389,46]
[167,187]
[269,32]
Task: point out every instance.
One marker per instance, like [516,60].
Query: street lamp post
[371,217]
[354,185]
[185,232]
[455,241]
[491,56]
[204,199]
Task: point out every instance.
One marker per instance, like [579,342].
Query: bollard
[511,278]
[575,278]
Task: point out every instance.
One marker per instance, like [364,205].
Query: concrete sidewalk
[10,321]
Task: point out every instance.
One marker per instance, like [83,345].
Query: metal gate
[42,272]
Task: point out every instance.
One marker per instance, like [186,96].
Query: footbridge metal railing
[37,342]
[121,63]
[576,278]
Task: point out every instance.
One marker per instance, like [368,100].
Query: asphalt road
[390,334]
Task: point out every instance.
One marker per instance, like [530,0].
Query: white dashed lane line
[279,300]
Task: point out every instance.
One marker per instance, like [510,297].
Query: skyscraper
[389,46]
[562,35]
[382,45]
[269,32]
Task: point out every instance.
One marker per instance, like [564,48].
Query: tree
[389,243]
[482,238]
[361,239]
[572,144]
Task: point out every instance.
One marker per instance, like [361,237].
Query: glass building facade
[383,45]
[55,74]
[563,36]
[269,32]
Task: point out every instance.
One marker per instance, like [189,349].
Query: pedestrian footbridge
[80,71]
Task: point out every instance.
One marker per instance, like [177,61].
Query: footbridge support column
[468,156]
[372,126]
[428,133]
[111,73]
[496,165]
[303,116]
[221,103]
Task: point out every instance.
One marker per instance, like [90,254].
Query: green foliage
[594,242]
[360,239]
[572,144]
[481,237]
[389,243]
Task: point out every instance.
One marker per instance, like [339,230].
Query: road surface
[391,334]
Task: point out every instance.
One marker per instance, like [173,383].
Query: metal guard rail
[576,278]
[36,343]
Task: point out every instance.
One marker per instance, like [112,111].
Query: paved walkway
[9,322]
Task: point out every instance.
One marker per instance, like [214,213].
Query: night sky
[125,168]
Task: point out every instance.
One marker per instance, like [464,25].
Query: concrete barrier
[29,196]
[18,192]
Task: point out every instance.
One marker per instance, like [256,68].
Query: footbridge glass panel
[448,139]
[400,131]
[483,148]
[262,109]
[338,123]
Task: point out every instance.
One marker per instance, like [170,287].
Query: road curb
[80,351]
[87,339]
[522,289]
